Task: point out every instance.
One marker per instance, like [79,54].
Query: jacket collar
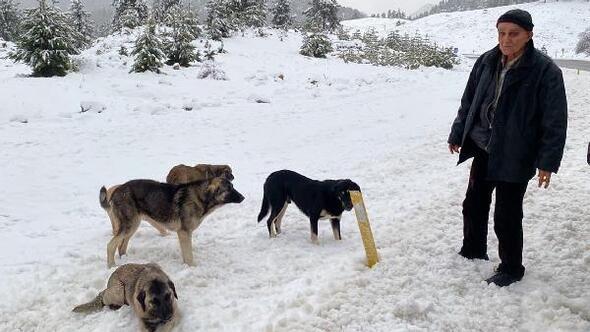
[527,59]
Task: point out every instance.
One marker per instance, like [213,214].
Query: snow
[557,27]
[385,128]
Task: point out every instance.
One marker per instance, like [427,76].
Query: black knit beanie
[519,17]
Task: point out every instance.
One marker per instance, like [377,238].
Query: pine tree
[220,21]
[81,23]
[191,22]
[177,46]
[148,51]
[393,41]
[281,14]
[250,13]
[48,42]
[160,8]
[225,16]
[9,20]
[373,45]
[129,19]
[129,14]
[322,15]
[583,45]
[316,45]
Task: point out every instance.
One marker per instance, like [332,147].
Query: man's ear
[141,299]
[531,35]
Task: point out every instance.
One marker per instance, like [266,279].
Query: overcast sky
[378,6]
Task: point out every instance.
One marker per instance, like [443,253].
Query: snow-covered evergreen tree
[148,51]
[9,20]
[322,15]
[160,8]
[177,43]
[373,46]
[281,14]
[220,19]
[81,23]
[191,22]
[47,42]
[129,13]
[396,50]
[316,45]
[583,45]
[393,40]
[249,13]
[129,19]
[225,16]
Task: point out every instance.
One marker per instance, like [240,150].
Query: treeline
[446,6]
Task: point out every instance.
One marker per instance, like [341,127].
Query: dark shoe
[503,279]
[472,256]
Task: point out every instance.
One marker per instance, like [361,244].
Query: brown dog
[147,289]
[180,208]
[184,174]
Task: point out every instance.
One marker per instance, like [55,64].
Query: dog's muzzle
[235,197]
[348,206]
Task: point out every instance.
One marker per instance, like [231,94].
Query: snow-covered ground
[557,26]
[385,128]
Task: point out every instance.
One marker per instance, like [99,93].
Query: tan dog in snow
[147,289]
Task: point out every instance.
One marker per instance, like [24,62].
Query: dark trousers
[507,217]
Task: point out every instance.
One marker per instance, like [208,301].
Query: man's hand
[454,148]
[544,177]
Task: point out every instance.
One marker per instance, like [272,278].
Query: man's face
[512,39]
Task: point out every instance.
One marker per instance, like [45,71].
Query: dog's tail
[264,208]
[92,306]
[102,197]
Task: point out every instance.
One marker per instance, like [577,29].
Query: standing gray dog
[147,289]
[180,208]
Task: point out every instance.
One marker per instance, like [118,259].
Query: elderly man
[512,120]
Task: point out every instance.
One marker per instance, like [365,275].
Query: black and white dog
[316,199]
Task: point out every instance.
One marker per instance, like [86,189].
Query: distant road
[571,64]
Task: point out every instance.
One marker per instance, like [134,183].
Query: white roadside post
[365,227]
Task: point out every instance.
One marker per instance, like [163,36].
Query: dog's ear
[351,185]
[227,172]
[171,285]
[141,299]
[348,185]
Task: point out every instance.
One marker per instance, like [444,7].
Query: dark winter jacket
[529,127]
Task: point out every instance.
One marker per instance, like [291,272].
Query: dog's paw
[314,239]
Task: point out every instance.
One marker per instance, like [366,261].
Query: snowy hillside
[557,26]
[385,128]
